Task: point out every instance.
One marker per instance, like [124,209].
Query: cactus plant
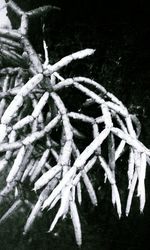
[40,135]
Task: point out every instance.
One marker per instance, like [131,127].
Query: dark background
[120,33]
